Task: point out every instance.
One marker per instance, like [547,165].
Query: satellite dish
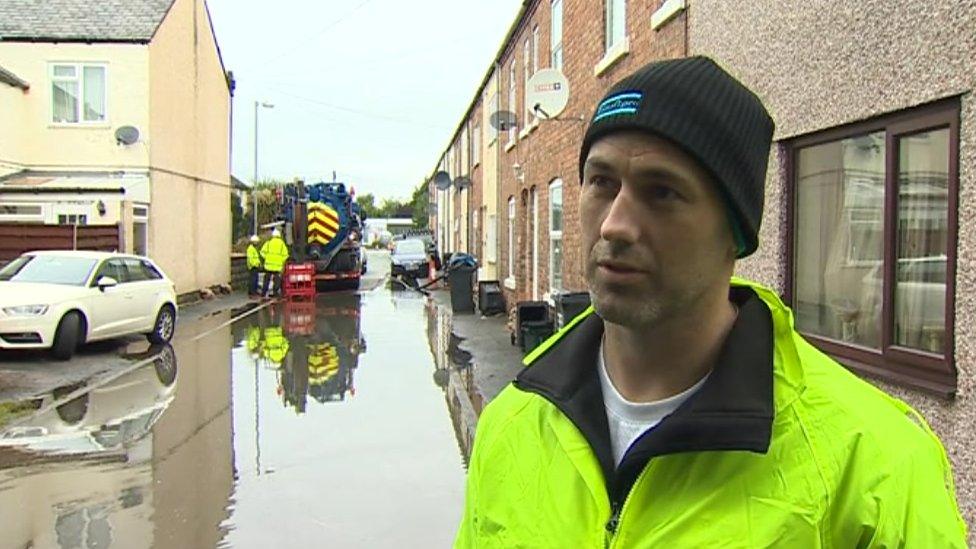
[503,120]
[442,180]
[547,93]
[126,135]
[462,182]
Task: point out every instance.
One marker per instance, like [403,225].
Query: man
[274,252]
[253,265]
[681,410]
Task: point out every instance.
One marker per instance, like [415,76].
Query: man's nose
[622,221]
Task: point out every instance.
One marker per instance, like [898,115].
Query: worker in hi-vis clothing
[275,253]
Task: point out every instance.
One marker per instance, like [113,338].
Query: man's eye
[663,192]
[600,181]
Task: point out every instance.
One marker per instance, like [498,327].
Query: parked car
[59,300]
[409,258]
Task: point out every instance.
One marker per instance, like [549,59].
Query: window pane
[94,94]
[65,102]
[64,71]
[616,17]
[556,36]
[556,249]
[839,239]
[923,235]
[556,205]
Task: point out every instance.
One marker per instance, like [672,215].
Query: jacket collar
[733,410]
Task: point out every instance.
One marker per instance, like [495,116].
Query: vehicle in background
[409,259]
[330,225]
[59,300]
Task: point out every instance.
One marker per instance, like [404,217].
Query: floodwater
[336,423]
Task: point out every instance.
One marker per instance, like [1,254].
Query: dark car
[409,258]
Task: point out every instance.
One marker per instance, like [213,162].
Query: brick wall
[551,151]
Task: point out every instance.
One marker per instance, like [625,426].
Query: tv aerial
[547,94]
[462,182]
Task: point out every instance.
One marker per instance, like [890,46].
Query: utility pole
[254,186]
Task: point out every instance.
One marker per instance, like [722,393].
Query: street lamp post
[254,187]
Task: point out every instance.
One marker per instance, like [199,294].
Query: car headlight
[25,310]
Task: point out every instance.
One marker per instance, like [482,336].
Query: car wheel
[165,365]
[164,327]
[67,336]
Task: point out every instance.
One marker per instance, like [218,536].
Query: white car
[59,300]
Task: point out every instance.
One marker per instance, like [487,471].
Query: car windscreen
[48,269]
[410,247]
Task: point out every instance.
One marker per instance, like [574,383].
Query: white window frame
[556,35]
[526,74]
[511,238]
[79,79]
[140,217]
[535,49]
[535,243]
[554,236]
[512,100]
[611,13]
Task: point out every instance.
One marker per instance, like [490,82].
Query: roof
[238,184]
[81,20]
[134,185]
[11,79]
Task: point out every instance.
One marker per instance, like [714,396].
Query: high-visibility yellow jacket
[275,344]
[275,253]
[253,257]
[781,447]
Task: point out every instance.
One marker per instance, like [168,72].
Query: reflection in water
[454,374]
[313,349]
[141,460]
[336,447]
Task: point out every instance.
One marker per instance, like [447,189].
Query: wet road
[337,423]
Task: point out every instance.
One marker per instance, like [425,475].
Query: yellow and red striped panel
[323,223]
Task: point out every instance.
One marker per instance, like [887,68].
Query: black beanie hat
[698,106]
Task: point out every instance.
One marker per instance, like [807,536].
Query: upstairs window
[78,93]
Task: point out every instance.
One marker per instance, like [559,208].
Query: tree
[419,203]
[237,226]
[367,202]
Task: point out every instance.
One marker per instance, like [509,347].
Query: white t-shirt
[629,420]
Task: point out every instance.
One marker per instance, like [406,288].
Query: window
[556,35]
[526,74]
[511,102]
[72,219]
[113,268]
[78,93]
[140,230]
[476,146]
[616,17]
[873,236]
[511,237]
[11,212]
[556,236]
[535,49]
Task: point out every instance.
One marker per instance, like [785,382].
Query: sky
[372,89]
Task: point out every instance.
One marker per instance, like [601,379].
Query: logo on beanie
[619,103]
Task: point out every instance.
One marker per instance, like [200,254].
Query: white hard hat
[276,232]
[254,238]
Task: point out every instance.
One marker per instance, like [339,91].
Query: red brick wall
[551,151]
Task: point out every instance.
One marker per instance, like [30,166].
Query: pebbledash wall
[823,65]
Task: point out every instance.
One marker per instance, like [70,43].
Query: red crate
[298,280]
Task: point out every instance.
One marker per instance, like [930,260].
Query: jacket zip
[617,510]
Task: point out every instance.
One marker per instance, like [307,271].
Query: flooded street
[320,424]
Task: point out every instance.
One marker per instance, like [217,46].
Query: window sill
[79,126]
[613,55]
[668,11]
[510,145]
[510,283]
[529,129]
